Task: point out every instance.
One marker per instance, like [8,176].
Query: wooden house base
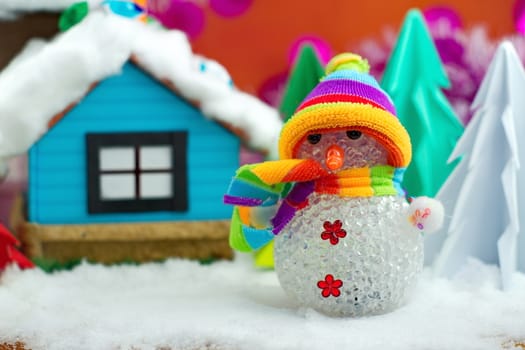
[112,243]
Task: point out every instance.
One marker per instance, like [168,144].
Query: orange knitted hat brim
[376,122]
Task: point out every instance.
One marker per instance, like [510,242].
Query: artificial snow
[229,305]
[46,78]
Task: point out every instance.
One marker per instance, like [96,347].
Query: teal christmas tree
[414,77]
[306,73]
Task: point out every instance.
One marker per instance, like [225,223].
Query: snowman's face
[337,150]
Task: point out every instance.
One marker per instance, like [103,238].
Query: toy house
[135,167]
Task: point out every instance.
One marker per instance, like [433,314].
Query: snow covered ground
[229,305]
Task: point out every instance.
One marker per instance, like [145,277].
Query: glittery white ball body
[349,256]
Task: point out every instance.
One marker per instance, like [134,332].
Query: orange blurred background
[255,45]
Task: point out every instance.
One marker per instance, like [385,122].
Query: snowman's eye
[353,134]
[314,138]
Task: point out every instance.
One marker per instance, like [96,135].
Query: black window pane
[157,184]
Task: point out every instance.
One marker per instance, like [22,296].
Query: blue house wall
[130,102]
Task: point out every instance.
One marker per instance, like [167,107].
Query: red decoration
[333,231]
[518,14]
[321,46]
[330,286]
[230,8]
[272,89]
[438,17]
[179,14]
[8,252]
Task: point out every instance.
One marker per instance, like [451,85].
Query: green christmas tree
[306,73]
[414,77]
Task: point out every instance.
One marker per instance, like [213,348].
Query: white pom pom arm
[426,214]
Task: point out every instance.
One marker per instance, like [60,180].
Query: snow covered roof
[46,78]
[10,8]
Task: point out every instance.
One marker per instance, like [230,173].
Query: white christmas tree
[485,195]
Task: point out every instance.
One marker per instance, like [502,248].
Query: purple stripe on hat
[352,87]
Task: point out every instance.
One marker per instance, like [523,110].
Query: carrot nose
[334,158]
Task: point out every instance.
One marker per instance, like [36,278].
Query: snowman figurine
[347,242]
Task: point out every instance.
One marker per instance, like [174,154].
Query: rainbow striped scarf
[288,183]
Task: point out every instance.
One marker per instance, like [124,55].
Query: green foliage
[306,73]
[51,265]
[73,15]
[414,77]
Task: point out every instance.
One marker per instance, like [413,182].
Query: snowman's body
[346,241]
[376,262]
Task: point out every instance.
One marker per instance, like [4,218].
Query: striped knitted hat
[348,98]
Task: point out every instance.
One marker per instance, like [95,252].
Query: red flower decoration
[330,286]
[333,231]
